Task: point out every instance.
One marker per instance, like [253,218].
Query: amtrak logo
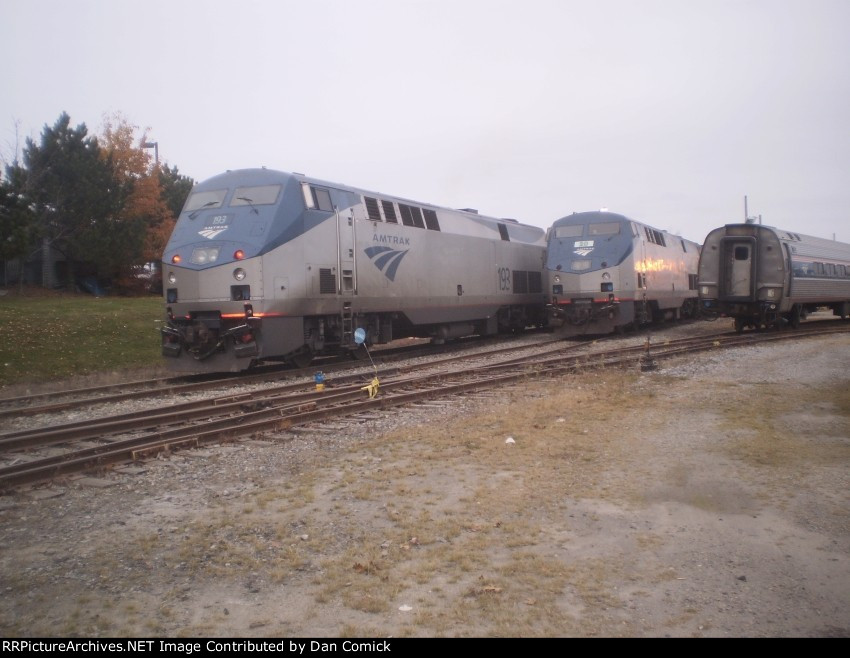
[582,252]
[210,233]
[386,259]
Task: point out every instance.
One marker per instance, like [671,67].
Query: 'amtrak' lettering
[391,239]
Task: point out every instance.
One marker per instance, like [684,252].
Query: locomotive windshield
[205,199]
[583,246]
[569,231]
[256,195]
[261,195]
[603,228]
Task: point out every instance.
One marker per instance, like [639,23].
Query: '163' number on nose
[504,278]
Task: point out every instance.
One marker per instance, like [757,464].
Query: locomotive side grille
[527,282]
[520,282]
[406,217]
[431,221]
[389,212]
[372,208]
[327,282]
[535,282]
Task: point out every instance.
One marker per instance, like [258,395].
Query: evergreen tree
[72,192]
[175,188]
[17,227]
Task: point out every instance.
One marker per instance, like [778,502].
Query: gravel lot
[708,498]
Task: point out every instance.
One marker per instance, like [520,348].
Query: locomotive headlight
[172,277]
[239,274]
[557,279]
[606,276]
[204,255]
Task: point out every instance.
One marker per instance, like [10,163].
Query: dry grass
[456,516]
[445,518]
[444,529]
[778,430]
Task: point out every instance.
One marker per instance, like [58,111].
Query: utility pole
[747,218]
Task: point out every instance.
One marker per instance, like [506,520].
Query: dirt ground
[708,498]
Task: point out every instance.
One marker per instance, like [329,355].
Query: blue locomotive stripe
[393,266]
[381,261]
[386,259]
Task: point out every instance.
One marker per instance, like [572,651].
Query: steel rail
[394,393]
[23,405]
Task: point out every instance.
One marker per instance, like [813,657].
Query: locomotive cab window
[317,197]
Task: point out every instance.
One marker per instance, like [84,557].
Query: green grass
[48,338]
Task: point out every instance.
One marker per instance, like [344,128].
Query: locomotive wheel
[739,325]
[358,354]
[302,359]
[794,317]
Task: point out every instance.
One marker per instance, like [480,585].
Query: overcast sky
[669,111]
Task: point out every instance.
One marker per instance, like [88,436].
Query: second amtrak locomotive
[607,272]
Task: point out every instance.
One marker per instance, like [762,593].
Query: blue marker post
[360,339]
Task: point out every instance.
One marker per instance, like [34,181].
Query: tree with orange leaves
[142,202]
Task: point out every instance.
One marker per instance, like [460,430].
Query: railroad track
[41,403]
[180,413]
[96,444]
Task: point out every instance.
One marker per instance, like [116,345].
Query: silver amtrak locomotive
[607,272]
[766,277]
[267,265]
